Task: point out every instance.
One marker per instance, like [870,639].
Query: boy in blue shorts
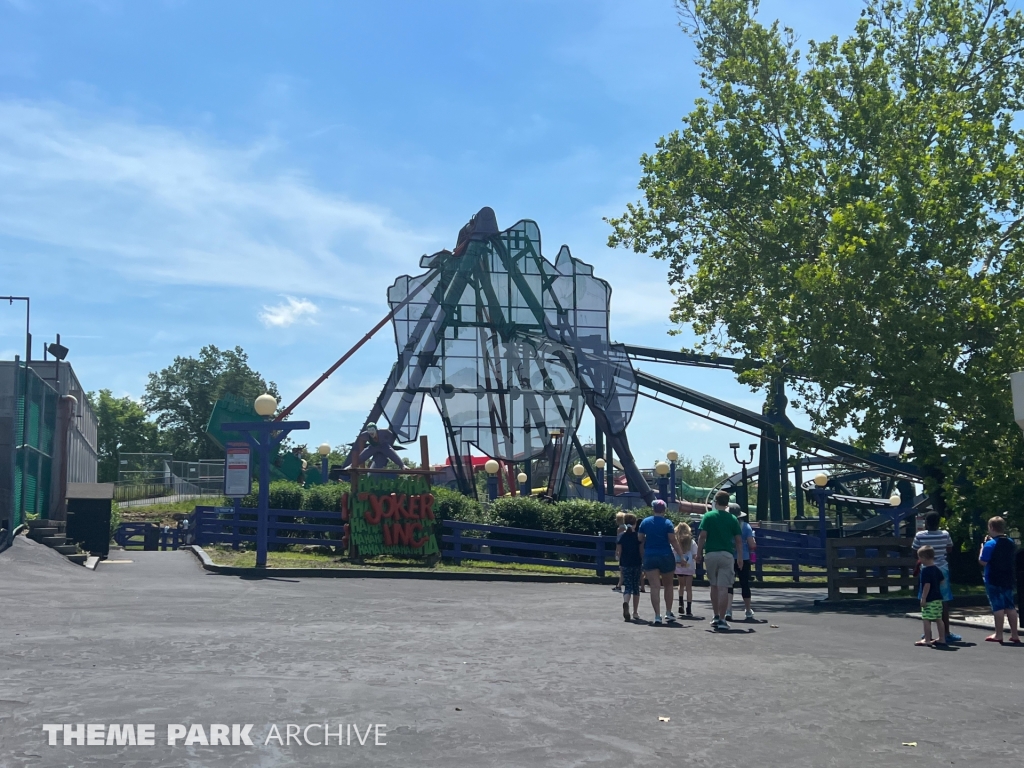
[997,556]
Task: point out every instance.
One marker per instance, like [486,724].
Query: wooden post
[600,558]
[830,565]
[424,453]
[863,572]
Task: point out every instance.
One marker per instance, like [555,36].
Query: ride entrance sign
[390,516]
[237,475]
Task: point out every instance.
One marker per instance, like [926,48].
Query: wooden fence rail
[890,561]
[458,545]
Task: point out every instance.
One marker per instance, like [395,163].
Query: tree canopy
[182,396]
[849,215]
[123,427]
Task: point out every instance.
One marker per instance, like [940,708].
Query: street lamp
[264,436]
[524,490]
[744,497]
[599,465]
[896,501]
[491,467]
[821,493]
[324,450]
[661,469]
[673,457]
[578,471]
[265,405]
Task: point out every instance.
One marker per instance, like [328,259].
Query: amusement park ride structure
[513,348]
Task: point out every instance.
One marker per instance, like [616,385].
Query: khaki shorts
[721,568]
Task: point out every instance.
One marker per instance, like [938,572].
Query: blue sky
[179,173]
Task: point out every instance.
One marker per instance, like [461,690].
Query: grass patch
[224,555]
[164,512]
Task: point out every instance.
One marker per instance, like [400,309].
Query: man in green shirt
[720,547]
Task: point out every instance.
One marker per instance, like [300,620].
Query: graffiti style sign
[391,516]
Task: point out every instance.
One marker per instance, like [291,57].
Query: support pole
[798,482]
[762,477]
[609,462]
[784,478]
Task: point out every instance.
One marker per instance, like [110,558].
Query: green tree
[182,396]
[123,426]
[852,214]
[706,473]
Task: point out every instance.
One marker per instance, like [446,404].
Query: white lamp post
[265,405]
[491,467]
[673,457]
[661,469]
[821,493]
[324,450]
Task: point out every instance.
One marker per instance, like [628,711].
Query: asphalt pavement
[474,674]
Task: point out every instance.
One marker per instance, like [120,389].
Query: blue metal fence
[459,540]
[227,525]
[522,545]
[786,548]
[141,535]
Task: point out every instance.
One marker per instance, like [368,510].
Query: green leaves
[851,214]
[182,395]
[123,427]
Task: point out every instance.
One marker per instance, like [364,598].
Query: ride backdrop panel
[392,516]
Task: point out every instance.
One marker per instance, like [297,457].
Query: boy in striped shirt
[942,543]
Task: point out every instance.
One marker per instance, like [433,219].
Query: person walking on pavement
[659,546]
[939,540]
[720,547]
[744,573]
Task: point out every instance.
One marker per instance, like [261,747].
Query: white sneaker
[749,614]
[669,616]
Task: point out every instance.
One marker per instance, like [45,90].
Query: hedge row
[288,495]
[577,516]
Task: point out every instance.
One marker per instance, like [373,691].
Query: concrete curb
[967,623]
[388,573]
[891,605]
[426,575]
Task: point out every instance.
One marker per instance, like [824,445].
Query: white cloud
[288,312]
[699,426]
[159,205]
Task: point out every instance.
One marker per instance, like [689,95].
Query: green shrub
[324,498]
[525,512]
[452,505]
[284,494]
[593,518]
[115,518]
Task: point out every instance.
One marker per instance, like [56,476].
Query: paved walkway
[477,674]
[980,618]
